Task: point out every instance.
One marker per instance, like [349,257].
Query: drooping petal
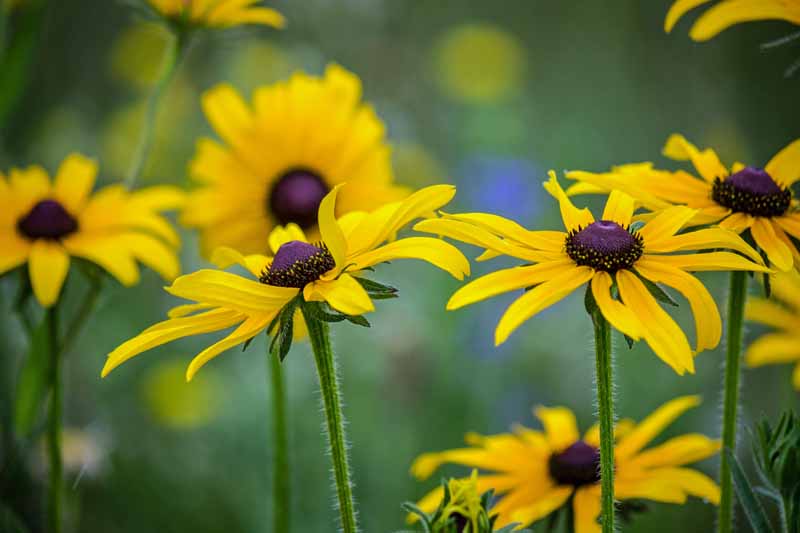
[231,291]
[74,181]
[586,507]
[559,426]
[619,315]
[705,239]
[506,280]
[673,485]
[662,334]
[723,15]
[779,254]
[224,257]
[619,208]
[709,261]
[153,253]
[540,297]
[681,450]
[651,426]
[772,314]
[543,506]
[110,253]
[784,167]
[47,266]
[706,162]
[572,217]
[665,224]
[246,330]
[679,9]
[708,324]
[435,251]
[344,294]
[773,348]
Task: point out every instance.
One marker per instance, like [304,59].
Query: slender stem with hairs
[172,60]
[281,482]
[736,301]
[329,384]
[605,408]
[54,422]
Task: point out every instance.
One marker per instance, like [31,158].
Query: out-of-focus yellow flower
[479,63]
[218,13]
[783,314]
[174,403]
[727,13]
[44,223]
[137,54]
[536,472]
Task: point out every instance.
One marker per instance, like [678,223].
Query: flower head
[621,265]
[536,472]
[327,271]
[782,313]
[726,13]
[45,223]
[279,160]
[743,199]
[217,13]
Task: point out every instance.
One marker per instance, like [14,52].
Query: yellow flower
[746,198]
[612,256]
[218,13]
[535,473]
[45,223]
[783,346]
[302,138]
[729,12]
[465,502]
[321,273]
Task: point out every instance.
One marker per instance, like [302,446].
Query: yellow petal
[157,198]
[540,297]
[543,506]
[682,450]
[48,266]
[706,162]
[506,280]
[778,253]
[737,222]
[673,485]
[725,14]
[705,239]
[621,428]
[662,334]
[344,294]
[169,330]
[773,348]
[224,257]
[153,253]
[552,241]
[14,251]
[111,253]
[619,208]
[620,316]
[231,291]
[332,234]
[785,166]
[586,506]
[280,235]
[28,186]
[465,232]
[770,313]
[651,426]
[180,311]
[678,9]
[665,224]
[573,217]
[434,251]
[708,324]
[559,425]
[74,181]
[709,261]
[246,330]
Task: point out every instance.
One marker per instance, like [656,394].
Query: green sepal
[358,320]
[285,320]
[630,341]
[374,286]
[657,292]
[589,302]
[747,498]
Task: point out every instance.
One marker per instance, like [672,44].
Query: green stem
[281,486]
[174,55]
[605,407]
[329,385]
[54,422]
[82,315]
[736,301]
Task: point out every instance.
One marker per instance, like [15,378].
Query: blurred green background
[485,95]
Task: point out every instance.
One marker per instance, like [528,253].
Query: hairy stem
[605,407]
[281,483]
[736,301]
[329,385]
[54,422]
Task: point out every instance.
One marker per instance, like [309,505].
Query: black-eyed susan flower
[782,313]
[727,13]
[217,13]
[45,223]
[280,157]
[535,473]
[621,265]
[327,271]
[742,199]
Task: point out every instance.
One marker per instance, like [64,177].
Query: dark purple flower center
[604,245]
[752,191]
[577,465]
[47,220]
[297,264]
[296,196]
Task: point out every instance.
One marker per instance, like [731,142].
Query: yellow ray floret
[524,467]
[616,261]
[219,13]
[45,223]
[351,244]
[728,13]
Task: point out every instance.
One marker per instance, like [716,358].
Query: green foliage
[32,389]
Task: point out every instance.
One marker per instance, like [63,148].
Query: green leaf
[10,522]
[747,498]
[32,388]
